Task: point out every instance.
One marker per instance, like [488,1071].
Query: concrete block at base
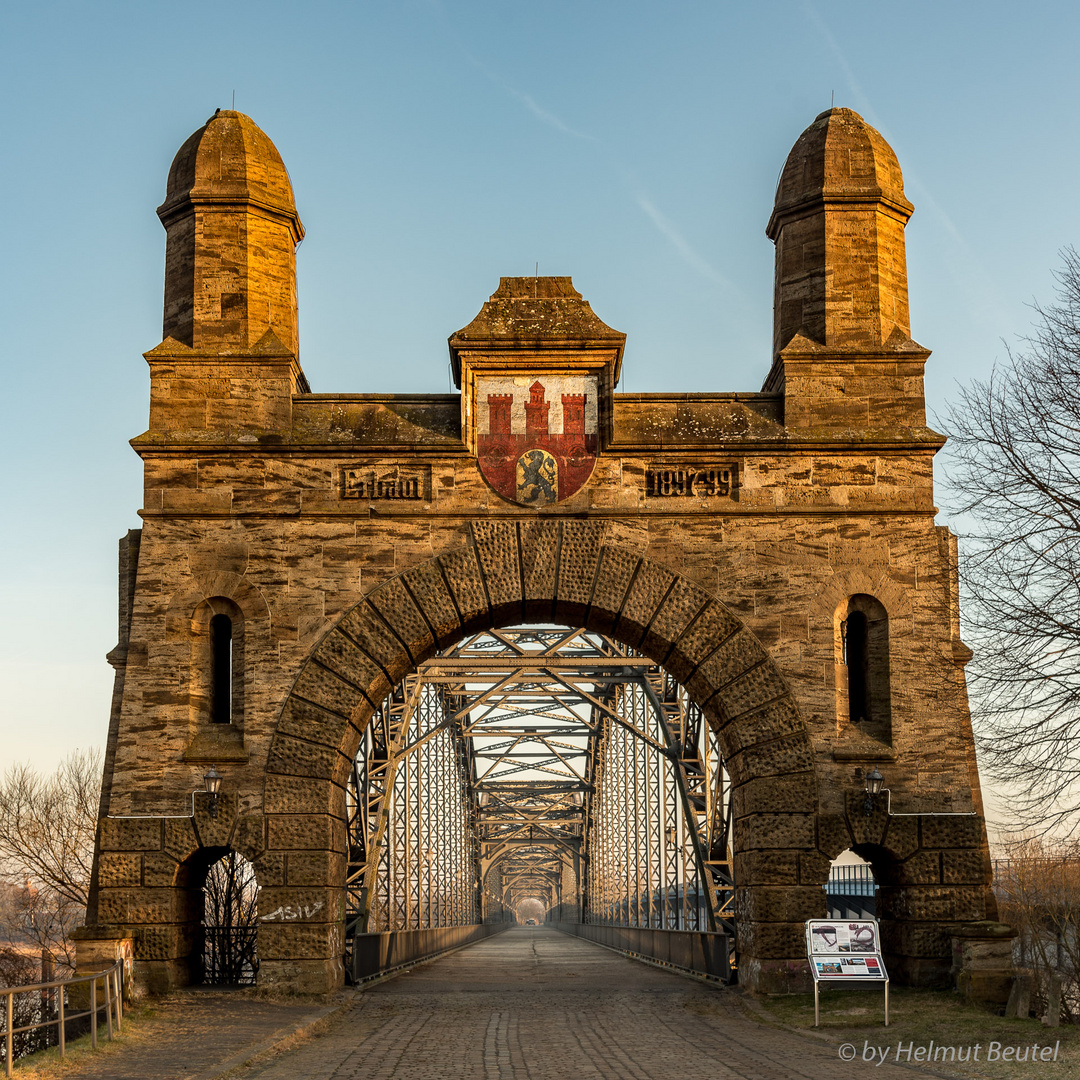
[982,964]
[1052,1015]
[98,949]
[990,988]
[775,976]
[302,976]
[1019,1003]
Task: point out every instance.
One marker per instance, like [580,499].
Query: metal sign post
[845,952]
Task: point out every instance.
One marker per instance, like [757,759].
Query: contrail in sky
[861,100]
[681,244]
[978,294]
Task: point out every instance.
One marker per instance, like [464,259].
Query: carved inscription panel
[693,481]
[386,481]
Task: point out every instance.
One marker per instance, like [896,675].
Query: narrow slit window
[221,667]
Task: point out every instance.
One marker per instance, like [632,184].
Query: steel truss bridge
[546,764]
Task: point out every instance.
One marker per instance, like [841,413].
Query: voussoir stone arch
[853,581]
[573,573]
[228,585]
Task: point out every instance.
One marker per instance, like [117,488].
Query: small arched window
[221,669]
[217,663]
[863,677]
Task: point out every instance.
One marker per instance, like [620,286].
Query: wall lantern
[212,780]
[873,782]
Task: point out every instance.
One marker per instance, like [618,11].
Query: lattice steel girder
[531,711]
[446,666]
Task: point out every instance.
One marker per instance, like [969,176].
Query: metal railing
[373,955]
[851,879]
[113,980]
[699,951]
[229,956]
[851,892]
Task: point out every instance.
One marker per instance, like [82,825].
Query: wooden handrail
[113,980]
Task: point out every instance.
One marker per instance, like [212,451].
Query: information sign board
[828,936]
[848,967]
[842,950]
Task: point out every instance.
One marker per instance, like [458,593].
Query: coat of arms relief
[536,435]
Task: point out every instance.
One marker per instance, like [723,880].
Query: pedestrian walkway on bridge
[527,1004]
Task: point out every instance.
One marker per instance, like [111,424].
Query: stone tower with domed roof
[229,361]
[232,226]
[842,348]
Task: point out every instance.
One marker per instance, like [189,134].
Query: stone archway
[567,572]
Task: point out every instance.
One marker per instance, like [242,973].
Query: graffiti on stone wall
[289,913]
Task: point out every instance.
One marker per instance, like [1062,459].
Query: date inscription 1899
[693,481]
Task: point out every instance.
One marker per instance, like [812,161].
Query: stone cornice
[146,445]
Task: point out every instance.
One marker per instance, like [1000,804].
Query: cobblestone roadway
[534,1003]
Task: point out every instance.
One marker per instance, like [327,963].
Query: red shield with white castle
[536,436]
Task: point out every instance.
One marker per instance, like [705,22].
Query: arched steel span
[539,762]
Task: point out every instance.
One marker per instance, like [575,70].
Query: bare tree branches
[47,827]
[1015,441]
[1038,889]
[230,922]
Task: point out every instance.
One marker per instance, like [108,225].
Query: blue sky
[436,146]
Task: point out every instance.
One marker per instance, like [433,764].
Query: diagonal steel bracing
[546,763]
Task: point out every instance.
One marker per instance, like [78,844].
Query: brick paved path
[194,1034]
[534,1003]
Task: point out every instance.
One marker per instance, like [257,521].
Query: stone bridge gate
[775,551]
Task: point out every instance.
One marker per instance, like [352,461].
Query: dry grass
[855,1016]
[49,1065]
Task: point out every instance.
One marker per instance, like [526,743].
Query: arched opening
[531,911]
[575,574]
[220,909]
[851,889]
[545,767]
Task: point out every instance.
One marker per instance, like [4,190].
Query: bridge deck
[529,1003]
[534,1003]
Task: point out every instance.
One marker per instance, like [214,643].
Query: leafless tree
[18,969]
[1015,442]
[1038,890]
[230,919]
[47,827]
